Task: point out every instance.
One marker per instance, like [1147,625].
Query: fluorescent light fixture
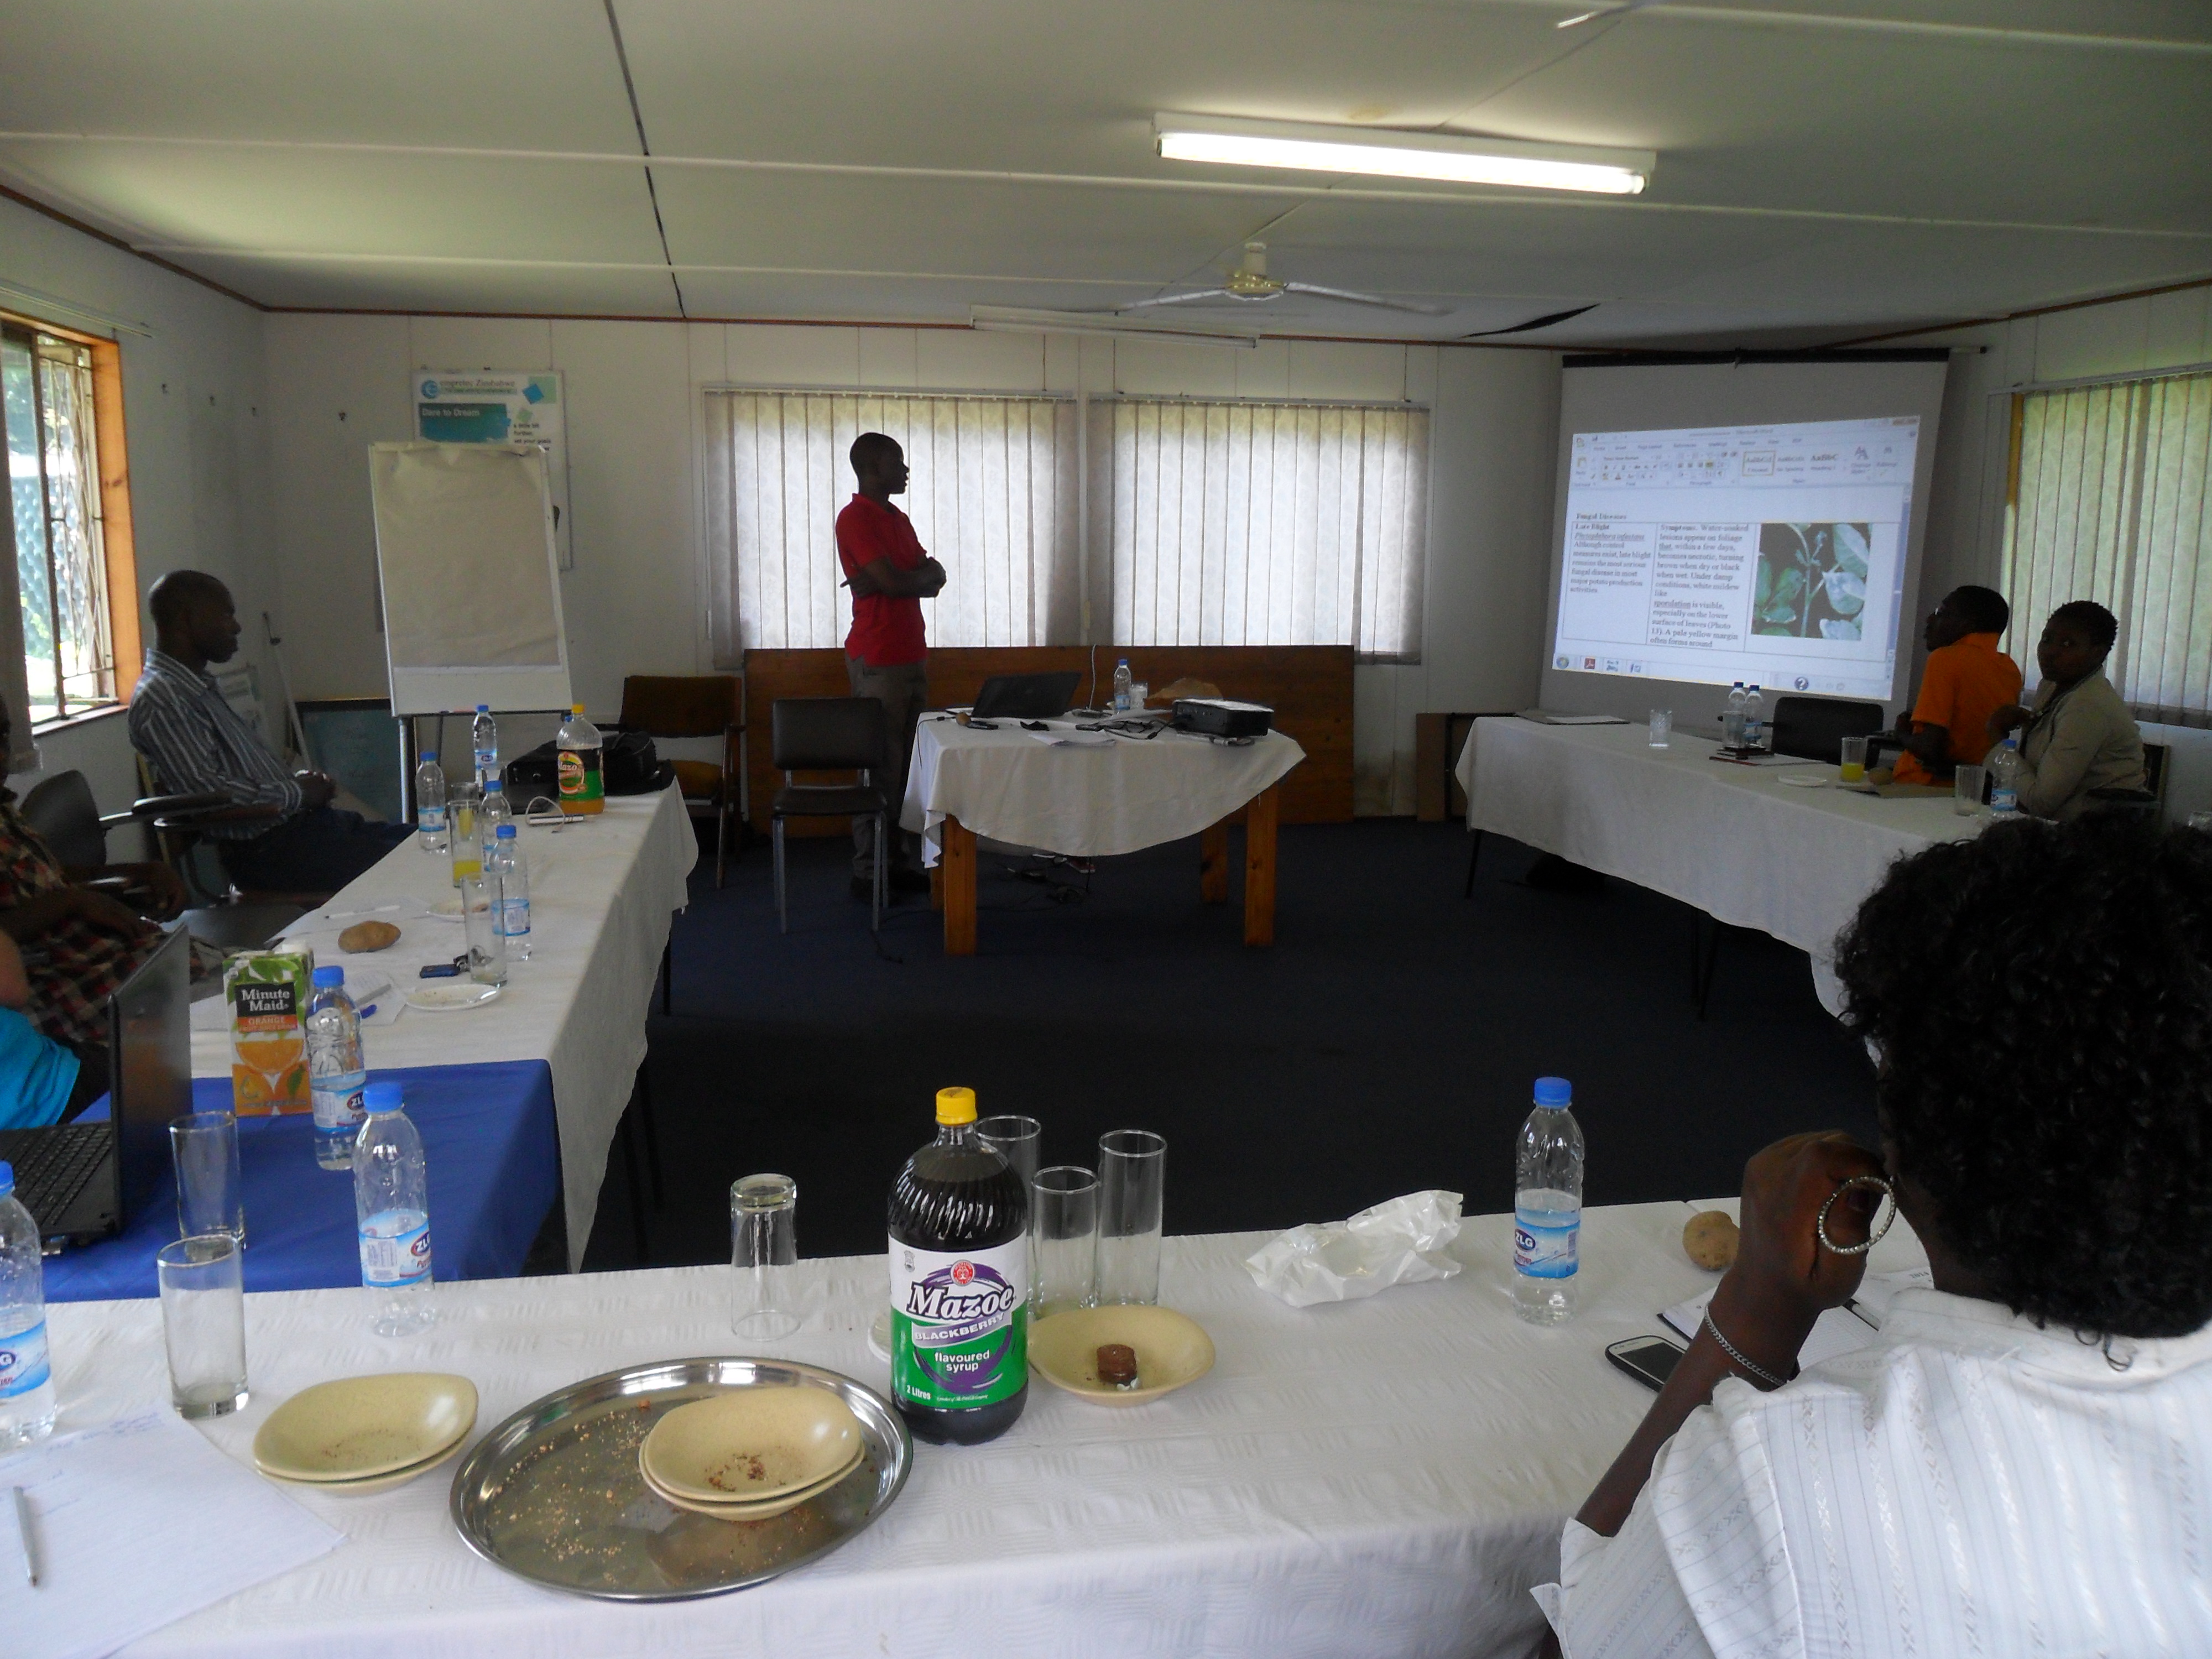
[1444,158]
[1015,319]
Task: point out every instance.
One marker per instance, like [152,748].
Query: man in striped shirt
[281,835]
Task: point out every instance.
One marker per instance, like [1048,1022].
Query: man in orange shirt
[1967,679]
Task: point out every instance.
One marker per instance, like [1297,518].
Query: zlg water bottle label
[959,1325]
[338,1100]
[23,1361]
[395,1260]
[1545,1243]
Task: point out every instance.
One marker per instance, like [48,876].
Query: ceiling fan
[1250,283]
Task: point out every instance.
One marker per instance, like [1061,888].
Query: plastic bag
[1398,1243]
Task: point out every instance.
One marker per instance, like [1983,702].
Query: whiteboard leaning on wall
[471,595]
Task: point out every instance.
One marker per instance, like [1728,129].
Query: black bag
[629,764]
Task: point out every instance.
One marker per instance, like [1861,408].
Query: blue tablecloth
[489,1139]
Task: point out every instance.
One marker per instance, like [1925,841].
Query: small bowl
[1172,1350]
[358,1428]
[761,1509]
[374,1483]
[750,1445]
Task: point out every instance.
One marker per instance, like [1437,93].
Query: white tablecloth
[1006,785]
[1377,1478]
[1737,841]
[601,897]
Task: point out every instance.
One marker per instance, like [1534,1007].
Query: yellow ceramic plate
[1171,1350]
[751,1444]
[758,1508]
[374,1483]
[359,1427]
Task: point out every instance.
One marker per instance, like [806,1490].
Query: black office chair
[1814,728]
[827,734]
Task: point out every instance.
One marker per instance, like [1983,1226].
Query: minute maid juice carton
[267,991]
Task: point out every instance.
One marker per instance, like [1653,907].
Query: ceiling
[1827,170]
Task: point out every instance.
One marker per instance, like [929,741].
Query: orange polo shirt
[1966,683]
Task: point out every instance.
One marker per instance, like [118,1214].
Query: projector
[1219,717]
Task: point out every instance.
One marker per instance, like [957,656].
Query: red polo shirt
[886,629]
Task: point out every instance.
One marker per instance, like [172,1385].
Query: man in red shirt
[885,657]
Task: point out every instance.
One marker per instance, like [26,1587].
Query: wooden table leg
[1213,863]
[1260,865]
[958,861]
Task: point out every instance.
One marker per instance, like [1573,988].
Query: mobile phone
[438,970]
[1649,1360]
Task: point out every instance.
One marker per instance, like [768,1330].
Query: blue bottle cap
[1554,1091]
[483,709]
[7,1177]
[491,784]
[381,1097]
[430,754]
[327,977]
[505,832]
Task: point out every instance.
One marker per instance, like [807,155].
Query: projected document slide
[1766,553]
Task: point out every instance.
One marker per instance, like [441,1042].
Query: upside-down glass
[210,1195]
[1662,728]
[1132,1177]
[1853,769]
[204,1322]
[1063,1240]
[1014,1139]
[481,915]
[1966,790]
[763,1249]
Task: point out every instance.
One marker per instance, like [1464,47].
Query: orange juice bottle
[582,788]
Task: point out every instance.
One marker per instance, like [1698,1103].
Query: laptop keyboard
[53,1165]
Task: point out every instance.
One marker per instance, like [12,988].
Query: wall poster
[501,406]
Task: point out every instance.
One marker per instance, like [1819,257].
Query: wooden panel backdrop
[1308,687]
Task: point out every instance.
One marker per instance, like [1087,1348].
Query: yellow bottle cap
[956,1105]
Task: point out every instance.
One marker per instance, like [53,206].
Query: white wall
[1966,528]
[636,600]
[196,418]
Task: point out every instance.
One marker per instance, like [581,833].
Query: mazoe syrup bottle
[960,1285]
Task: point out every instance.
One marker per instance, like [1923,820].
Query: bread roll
[1710,1240]
[368,936]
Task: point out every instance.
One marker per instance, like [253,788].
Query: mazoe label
[959,1325]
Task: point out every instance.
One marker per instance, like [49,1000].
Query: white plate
[448,909]
[448,996]
[1799,780]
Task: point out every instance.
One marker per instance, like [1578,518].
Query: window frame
[119,571]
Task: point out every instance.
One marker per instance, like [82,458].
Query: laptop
[84,1181]
[1026,697]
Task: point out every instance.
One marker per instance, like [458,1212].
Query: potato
[1710,1240]
[368,936]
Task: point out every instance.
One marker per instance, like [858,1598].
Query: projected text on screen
[1767,553]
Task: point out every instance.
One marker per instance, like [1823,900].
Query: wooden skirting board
[1308,687]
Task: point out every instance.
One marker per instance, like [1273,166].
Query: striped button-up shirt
[198,745]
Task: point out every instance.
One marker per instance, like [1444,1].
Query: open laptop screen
[150,1055]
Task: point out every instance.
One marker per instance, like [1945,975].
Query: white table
[1734,842]
[1379,1478]
[1009,785]
[601,897]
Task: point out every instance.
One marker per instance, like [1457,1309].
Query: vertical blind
[1261,523]
[993,497]
[2108,504]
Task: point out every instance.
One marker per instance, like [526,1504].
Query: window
[1262,524]
[993,497]
[2108,502]
[69,506]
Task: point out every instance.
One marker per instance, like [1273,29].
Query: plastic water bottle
[1732,726]
[1754,719]
[483,733]
[2004,777]
[505,865]
[337,1073]
[27,1379]
[392,1205]
[1547,1207]
[576,745]
[430,803]
[494,812]
[1122,687]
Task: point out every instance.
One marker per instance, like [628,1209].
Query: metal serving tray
[554,1493]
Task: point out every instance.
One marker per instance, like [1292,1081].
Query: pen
[23,1534]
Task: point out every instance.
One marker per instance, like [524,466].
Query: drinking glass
[763,1249]
[1662,728]
[1063,1240]
[1131,1176]
[1854,766]
[204,1322]
[1014,1139]
[210,1195]
[461,803]
[487,945]
[1966,790]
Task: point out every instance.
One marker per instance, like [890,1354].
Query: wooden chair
[698,706]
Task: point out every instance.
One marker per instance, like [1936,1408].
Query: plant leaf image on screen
[1811,581]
